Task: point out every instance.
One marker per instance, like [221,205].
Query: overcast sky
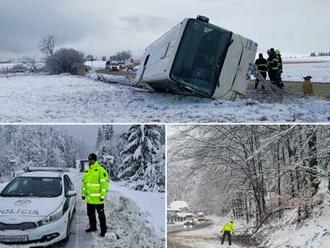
[85,133]
[103,27]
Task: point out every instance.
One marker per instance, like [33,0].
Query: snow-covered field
[295,72]
[66,98]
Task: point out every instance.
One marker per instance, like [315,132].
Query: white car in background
[36,208]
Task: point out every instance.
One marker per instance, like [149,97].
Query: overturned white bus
[198,58]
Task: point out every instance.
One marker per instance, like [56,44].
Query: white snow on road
[151,203]
[65,98]
[206,237]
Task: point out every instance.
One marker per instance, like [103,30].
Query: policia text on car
[94,191]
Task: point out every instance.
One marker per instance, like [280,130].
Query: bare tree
[47,45]
[65,60]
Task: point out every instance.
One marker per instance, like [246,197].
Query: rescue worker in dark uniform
[280,68]
[261,65]
[94,191]
[273,67]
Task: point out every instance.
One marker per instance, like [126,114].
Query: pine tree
[143,157]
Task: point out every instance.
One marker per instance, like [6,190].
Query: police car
[36,208]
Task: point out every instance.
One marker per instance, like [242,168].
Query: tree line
[23,146]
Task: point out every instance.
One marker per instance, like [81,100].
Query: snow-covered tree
[143,157]
[36,146]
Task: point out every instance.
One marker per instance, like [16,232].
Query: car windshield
[200,56]
[33,187]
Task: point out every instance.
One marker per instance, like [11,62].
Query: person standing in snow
[280,68]
[95,186]
[261,65]
[227,230]
[273,67]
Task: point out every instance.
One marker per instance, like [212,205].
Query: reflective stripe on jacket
[280,63]
[273,63]
[95,184]
[261,64]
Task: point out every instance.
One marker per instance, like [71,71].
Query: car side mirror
[71,193]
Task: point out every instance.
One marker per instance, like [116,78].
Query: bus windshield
[200,56]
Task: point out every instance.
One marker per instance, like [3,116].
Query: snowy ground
[295,72]
[65,98]
[153,204]
[313,232]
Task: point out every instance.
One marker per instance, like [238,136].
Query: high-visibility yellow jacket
[230,227]
[95,184]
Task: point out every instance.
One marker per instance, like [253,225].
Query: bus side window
[146,60]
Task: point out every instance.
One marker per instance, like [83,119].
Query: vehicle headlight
[56,215]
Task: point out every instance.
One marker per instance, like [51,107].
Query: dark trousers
[264,74]
[226,233]
[273,76]
[92,218]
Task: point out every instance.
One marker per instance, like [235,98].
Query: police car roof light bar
[55,169]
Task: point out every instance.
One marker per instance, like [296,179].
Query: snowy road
[65,98]
[204,237]
[179,241]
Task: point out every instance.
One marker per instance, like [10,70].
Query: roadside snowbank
[153,205]
[127,226]
[313,232]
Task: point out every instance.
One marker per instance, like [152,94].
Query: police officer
[94,191]
[227,230]
[261,65]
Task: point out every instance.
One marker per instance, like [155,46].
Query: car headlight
[56,215]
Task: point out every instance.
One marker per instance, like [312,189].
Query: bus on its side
[198,58]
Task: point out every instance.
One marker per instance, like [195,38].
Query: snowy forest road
[189,241]
[181,228]
[65,98]
[208,236]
